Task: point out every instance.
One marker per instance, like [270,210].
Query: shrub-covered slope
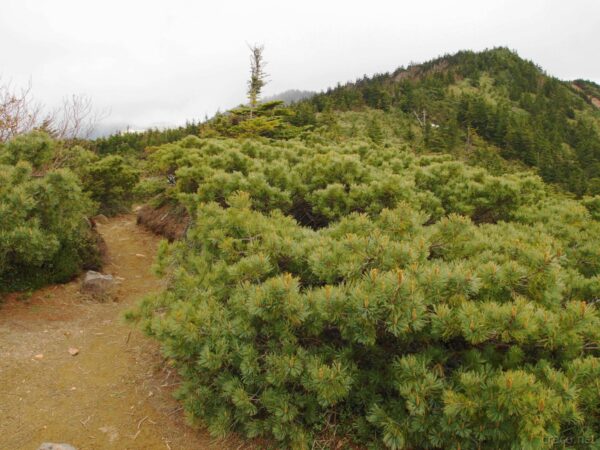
[476,105]
[370,293]
[493,95]
[320,182]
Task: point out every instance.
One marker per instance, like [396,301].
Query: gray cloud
[154,62]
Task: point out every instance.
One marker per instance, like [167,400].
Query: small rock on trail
[51,446]
[97,284]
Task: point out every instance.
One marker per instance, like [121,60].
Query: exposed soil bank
[168,220]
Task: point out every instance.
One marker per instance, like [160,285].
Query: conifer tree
[258,76]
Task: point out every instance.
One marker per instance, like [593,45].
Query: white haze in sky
[162,62]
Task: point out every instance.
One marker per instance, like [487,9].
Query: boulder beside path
[97,284]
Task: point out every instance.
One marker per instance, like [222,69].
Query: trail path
[116,393]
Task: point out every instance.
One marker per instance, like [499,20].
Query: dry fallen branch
[141,422]
[128,337]
[84,422]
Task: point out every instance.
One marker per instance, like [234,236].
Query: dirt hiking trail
[116,392]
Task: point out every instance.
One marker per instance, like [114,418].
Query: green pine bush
[110,182]
[377,296]
[44,237]
[35,147]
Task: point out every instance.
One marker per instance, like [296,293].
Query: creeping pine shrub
[44,237]
[36,147]
[43,234]
[321,183]
[385,330]
[110,182]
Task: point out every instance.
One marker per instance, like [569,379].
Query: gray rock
[97,284]
[51,446]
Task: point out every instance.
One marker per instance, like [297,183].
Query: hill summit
[493,97]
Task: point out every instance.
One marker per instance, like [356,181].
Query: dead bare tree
[422,121]
[19,113]
[75,118]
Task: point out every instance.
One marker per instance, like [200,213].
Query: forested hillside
[398,262]
[510,103]
[484,107]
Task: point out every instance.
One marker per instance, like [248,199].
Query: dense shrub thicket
[37,148]
[110,182]
[47,190]
[382,297]
[43,234]
[318,183]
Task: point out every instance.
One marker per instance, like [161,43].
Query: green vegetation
[384,264]
[496,96]
[135,143]
[110,182]
[408,261]
[36,147]
[486,108]
[43,234]
[365,291]
[48,189]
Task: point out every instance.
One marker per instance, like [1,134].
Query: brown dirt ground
[116,393]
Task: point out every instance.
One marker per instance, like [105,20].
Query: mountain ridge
[468,103]
[551,125]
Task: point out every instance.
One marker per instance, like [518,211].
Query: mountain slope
[357,295]
[495,95]
[341,285]
[489,108]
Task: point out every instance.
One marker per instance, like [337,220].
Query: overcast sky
[161,62]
